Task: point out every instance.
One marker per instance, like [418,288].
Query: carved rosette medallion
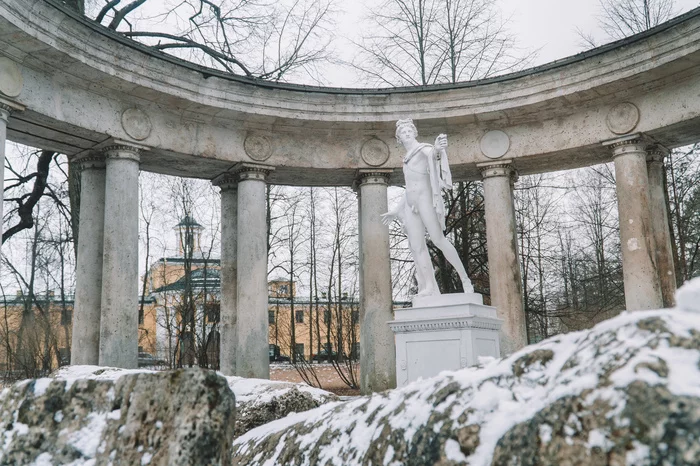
[622,118]
[257,147]
[374,152]
[136,123]
[494,144]
[11,80]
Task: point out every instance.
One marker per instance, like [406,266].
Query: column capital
[251,171]
[117,149]
[5,111]
[372,176]
[657,153]
[503,168]
[631,143]
[8,106]
[93,160]
[226,181]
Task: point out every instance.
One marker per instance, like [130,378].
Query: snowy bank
[258,401]
[182,417]
[625,392]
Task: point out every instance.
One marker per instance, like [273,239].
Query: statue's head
[405,129]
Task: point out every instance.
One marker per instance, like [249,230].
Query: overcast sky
[547,25]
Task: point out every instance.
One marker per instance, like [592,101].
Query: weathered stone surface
[258,401]
[624,392]
[654,427]
[182,417]
[254,414]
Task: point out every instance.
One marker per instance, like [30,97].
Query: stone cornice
[434,325]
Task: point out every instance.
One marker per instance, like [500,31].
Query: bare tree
[622,18]
[421,42]
[682,169]
[272,40]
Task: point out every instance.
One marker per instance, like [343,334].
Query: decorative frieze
[374,152]
[433,325]
[622,118]
[494,144]
[11,79]
[257,147]
[136,123]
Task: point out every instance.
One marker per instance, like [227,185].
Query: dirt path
[327,375]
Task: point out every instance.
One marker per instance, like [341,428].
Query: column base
[444,332]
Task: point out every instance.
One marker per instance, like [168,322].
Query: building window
[66,316]
[299,317]
[141,315]
[213,312]
[284,290]
[355,317]
[271,317]
[299,350]
[327,317]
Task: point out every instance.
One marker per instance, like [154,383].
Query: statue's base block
[444,332]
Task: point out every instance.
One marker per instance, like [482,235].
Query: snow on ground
[246,390]
[495,397]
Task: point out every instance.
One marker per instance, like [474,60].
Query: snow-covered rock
[261,401]
[182,417]
[625,392]
[258,401]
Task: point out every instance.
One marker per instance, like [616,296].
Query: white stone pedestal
[444,332]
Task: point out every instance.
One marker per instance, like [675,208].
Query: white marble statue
[422,209]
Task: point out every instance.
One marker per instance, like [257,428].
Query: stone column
[4,116]
[377,347]
[642,289]
[85,347]
[504,264]
[119,320]
[229,239]
[252,348]
[659,224]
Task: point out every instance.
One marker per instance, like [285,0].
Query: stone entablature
[199,122]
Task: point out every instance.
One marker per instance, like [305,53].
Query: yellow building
[184,292]
[36,332]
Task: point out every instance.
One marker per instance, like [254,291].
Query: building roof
[201,278]
[189,221]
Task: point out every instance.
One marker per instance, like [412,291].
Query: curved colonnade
[116,107]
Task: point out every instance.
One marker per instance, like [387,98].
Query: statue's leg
[415,231]
[430,220]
